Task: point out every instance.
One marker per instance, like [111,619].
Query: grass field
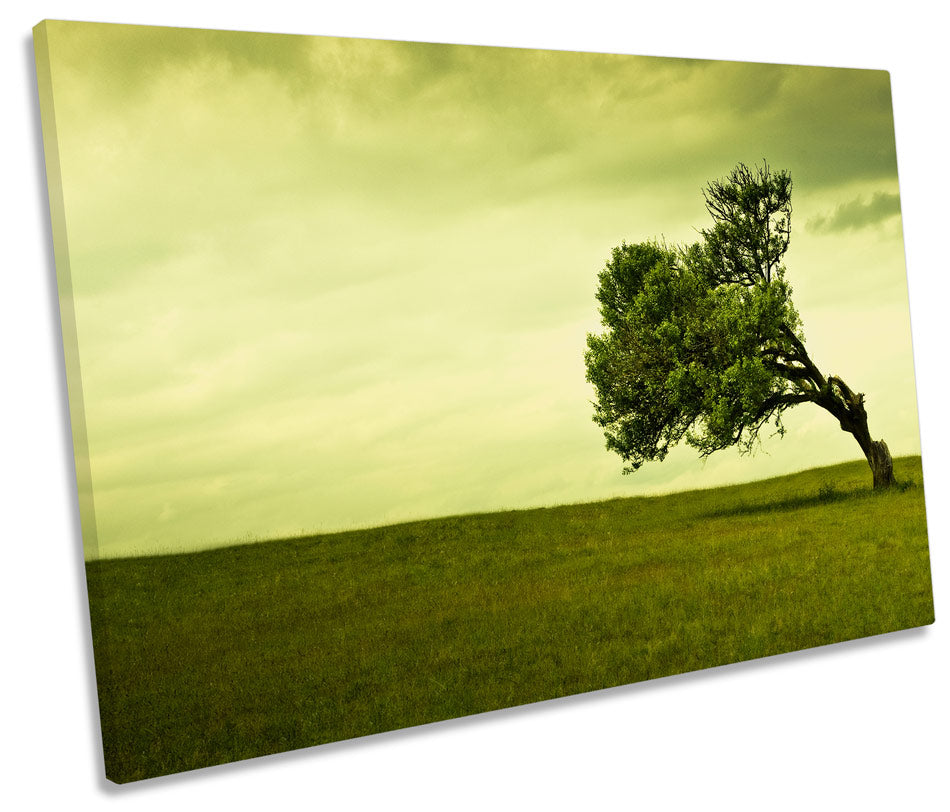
[221,655]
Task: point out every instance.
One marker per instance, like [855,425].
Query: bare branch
[783,401]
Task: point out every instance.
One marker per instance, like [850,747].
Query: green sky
[324,283]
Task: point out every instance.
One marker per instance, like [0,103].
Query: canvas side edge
[67,310]
[76,406]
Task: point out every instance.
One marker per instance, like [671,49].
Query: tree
[703,343]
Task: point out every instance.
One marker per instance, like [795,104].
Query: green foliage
[752,212]
[702,343]
[234,653]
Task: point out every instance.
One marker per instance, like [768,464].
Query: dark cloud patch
[448,107]
[836,126]
[127,58]
[856,214]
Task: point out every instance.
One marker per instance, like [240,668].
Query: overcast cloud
[325,283]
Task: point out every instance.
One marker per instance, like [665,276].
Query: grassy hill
[214,656]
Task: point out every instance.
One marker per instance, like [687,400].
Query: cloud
[323,282]
[857,214]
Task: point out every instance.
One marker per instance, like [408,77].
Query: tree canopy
[703,343]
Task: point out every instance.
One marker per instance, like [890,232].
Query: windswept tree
[703,343]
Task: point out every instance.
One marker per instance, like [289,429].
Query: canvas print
[410,381]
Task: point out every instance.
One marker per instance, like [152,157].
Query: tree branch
[773,402]
[801,355]
[792,373]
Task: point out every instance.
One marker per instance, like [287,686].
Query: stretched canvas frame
[324,307]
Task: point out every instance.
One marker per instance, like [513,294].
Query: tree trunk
[834,395]
[882,467]
[848,407]
[875,451]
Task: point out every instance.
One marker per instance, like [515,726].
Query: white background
[860,725]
